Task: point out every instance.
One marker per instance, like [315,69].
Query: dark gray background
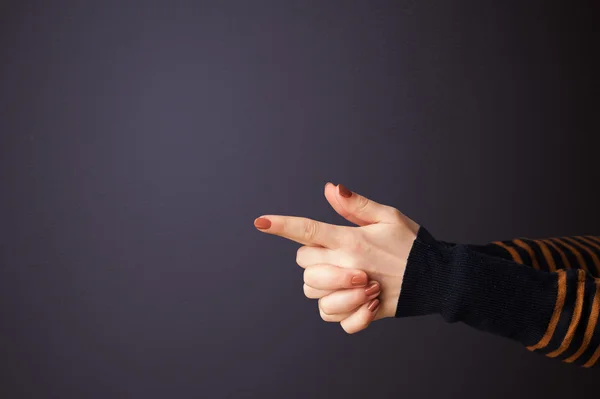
[140,140]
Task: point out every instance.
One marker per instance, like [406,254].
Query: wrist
[424,284]
[395,279]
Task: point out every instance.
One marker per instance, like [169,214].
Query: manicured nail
[359,280]
[344,192]
[262,223]
[374,305]
[372,289]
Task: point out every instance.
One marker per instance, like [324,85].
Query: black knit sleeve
[548,254]
[551,312]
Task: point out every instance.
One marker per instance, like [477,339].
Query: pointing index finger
[302,230]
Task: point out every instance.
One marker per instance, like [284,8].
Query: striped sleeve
[541,292]
[547,254]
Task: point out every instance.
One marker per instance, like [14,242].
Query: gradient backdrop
[140,140]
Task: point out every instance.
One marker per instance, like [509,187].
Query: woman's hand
[379,247]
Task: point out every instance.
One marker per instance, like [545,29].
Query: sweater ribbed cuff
[423,286]
[486,292]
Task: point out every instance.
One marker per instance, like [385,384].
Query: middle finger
[344,301]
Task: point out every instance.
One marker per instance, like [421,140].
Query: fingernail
[344,192]
[359,280]
[262,223]
[374,305]
[372,289]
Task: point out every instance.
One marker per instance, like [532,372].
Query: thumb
[357,208]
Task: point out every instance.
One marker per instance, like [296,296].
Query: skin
[374,251]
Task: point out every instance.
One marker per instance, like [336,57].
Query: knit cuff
[486,292]
[423,285]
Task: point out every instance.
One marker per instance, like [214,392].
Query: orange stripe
[589,331]
[563,257]
[547,255]
[592,243]
[574,251]
[589,251]
[594,358]
[527,248]
[575,317]
[513,252]
[594,238]
[560,301]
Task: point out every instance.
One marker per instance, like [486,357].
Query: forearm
[554,313]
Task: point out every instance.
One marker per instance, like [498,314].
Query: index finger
[302,230]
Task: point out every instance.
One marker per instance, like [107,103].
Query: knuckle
[324,308]
[306,290]
[362,204]
[300,255]
[355,326]
[354,242]
[310,229]
[358,247]
[347,329]
[306,275]
[325,316]
[396,213]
